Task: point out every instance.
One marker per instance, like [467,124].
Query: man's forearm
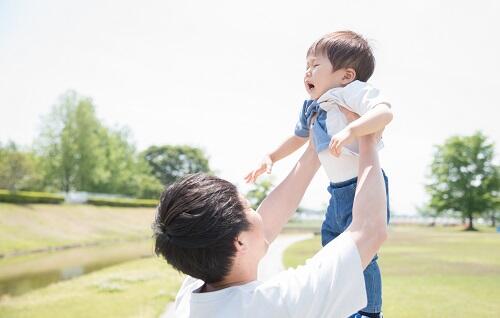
[282,202]
[291,145]
[369,213]
[373,121]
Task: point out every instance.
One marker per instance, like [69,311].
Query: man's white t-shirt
[331,284]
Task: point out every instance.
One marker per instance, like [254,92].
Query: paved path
[270,265]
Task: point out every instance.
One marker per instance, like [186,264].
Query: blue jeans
[337,219]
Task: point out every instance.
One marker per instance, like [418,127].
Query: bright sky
[227,75]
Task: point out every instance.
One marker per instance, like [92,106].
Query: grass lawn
[139,288]
[432,272]
[40,226]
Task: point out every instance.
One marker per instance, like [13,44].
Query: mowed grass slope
[139,288]
[40,226]
[432,272]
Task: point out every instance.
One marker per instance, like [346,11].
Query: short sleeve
[360,97]
[331,284]
[357,96]
[303,124]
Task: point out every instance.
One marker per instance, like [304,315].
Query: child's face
[319,77]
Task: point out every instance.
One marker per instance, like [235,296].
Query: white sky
[227,75]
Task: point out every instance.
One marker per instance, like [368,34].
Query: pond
[21,274]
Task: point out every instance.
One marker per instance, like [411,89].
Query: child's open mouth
[310,86]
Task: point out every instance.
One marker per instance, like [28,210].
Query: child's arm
[300,137]
[372,121]
[282,202]
[288,147]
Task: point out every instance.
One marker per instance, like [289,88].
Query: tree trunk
[493,219]
[470,226]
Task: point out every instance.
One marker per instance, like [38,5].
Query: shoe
[358,315]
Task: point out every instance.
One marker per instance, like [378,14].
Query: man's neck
[221,285]
[239,275]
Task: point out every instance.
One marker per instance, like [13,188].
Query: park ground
[427,271]
[432,271]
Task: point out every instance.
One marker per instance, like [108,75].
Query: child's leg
[373,284]
[331,228]
[327,228]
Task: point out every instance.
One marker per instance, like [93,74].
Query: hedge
[30,197]
[123,202]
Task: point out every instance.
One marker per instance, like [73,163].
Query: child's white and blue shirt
[358,97]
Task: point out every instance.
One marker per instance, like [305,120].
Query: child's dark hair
[346,49]
[198,219]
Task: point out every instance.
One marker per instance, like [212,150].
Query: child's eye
[315,65]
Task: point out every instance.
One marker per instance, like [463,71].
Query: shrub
[30,197]
[123,202]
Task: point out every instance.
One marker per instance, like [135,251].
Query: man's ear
[240,244]
[349,76]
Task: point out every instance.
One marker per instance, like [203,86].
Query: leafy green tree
[259,192]
[169,163]
[125,171]
[69,142]
[115,173]
[18,169]
[80,153]
[464,179]
[146,185]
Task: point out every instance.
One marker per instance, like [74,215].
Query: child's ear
[349,76]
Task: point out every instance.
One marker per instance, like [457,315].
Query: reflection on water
[71,272]
[21,274]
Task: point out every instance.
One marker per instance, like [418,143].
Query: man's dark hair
[197,222]
[346,49]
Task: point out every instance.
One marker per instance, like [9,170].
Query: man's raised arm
[281,203]
[369,214]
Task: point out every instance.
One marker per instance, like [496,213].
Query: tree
[18,169]
[259,192]
[125,171]
[169,163]
[464,179]
[69,142]
[146,184]
[80,153]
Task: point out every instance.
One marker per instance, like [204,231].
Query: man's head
[203,225]
[337,59]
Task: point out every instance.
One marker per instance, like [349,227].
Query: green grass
[138,288]
[432,272]
[303,226]
[40,226]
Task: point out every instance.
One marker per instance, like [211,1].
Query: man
[207,230]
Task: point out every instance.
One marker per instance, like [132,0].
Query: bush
[30,197]
[123,202]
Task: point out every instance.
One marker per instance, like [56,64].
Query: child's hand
[343,137]
[265,166]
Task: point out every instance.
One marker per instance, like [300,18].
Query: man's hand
[265,166]
[339,140]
